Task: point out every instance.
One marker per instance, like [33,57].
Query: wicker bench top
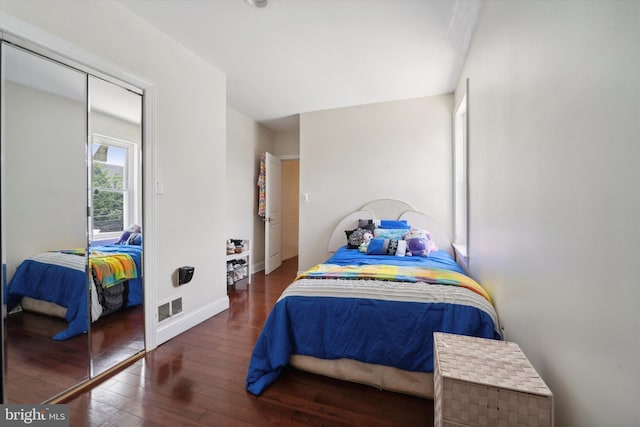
[488,362]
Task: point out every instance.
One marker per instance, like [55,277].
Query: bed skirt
[55,310]
[383,377]
[43,307]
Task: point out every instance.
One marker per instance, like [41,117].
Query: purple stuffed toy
[126,234]
[419,242]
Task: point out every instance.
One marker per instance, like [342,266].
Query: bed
[56,283]
[370,318]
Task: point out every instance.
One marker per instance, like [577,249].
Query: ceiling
[296,56]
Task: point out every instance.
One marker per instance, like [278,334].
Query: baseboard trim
[187,321]
[257,267]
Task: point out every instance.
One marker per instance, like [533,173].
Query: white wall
[45,172]
[287,144]
[349,156]
[115,127]
[554,149]
[190,140]
[246,141]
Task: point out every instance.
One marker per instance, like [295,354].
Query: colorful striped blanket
[111,269]
[75,251]
[108,268]
[395,273]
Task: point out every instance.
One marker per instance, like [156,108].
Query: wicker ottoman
[481,382]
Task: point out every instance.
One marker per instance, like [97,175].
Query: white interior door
[273,225]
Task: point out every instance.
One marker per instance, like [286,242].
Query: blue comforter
[386,323]
[61,278]
[437,259]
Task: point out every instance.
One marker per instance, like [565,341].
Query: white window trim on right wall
[461,180]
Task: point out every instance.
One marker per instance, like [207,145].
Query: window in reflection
[113,186]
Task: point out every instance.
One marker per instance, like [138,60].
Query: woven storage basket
[480,382]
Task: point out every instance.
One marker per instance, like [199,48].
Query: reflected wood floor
[116,337]
[39,368]
[198,378]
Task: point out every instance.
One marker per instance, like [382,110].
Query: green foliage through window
[108,197]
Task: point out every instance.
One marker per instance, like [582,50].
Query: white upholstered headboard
[390,209]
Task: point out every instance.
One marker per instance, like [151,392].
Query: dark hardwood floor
[198,378]
[116,337]
[39,368]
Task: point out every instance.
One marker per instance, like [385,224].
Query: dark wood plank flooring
[198,378]
[39,368]
[116,337]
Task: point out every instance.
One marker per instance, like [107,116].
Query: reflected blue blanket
[61,278]
[55,277]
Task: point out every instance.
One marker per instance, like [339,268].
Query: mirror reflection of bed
[117,312]
[72,144]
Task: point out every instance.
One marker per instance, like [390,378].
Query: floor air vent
[169,309]
[176,306]
[164,312]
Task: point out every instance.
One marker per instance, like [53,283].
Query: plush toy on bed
[131,236]
[419,242]
[366,238]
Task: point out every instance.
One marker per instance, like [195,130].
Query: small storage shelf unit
[238,261]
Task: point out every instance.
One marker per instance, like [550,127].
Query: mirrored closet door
[44,208]
[115,196]
[71,225]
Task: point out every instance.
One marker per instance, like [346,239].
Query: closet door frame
[32,38]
